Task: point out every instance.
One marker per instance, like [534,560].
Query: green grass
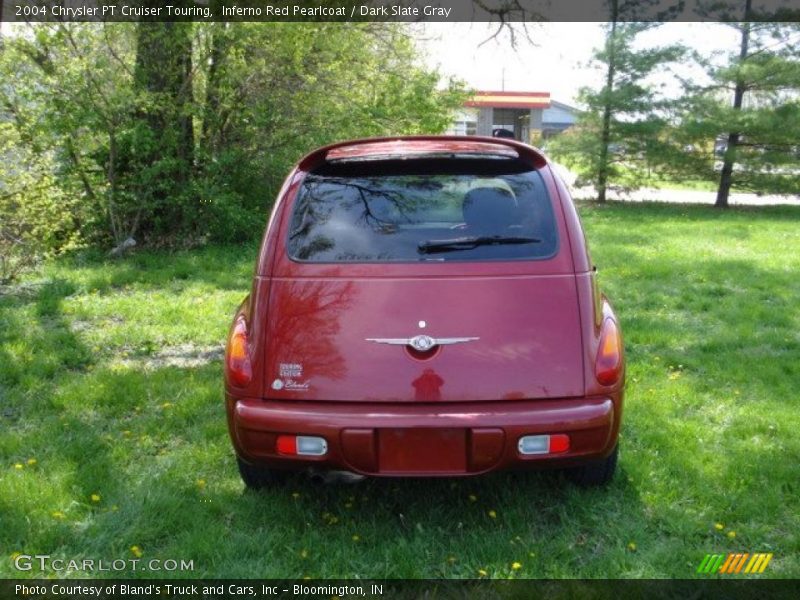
[710,305]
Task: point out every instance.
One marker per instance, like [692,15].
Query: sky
[558,62]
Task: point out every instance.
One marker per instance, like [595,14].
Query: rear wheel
[258,478]
[595,473]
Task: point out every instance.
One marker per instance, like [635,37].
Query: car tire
[595,473]
[259,478]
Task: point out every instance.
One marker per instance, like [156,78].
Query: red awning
[510,99]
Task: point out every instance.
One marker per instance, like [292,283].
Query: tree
[163,140]
[274,91]
[742,128]
[67,101]
[622,121]
[182,132]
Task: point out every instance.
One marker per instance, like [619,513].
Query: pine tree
[621,125]
[743,128]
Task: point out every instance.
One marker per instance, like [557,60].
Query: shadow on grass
[48,353]
[44,343]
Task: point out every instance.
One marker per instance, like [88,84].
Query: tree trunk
[211,117]
[164,68]
[726,176]
[605,132]
[163,74]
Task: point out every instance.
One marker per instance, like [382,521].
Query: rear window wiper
[467,243]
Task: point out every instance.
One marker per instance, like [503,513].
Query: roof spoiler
[419,145]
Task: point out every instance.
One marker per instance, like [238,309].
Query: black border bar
[495,11]
[734,588]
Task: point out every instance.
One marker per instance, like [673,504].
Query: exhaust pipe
[335,476]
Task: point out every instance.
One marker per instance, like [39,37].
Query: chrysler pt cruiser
[424,306]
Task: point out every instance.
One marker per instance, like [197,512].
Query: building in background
[531,116]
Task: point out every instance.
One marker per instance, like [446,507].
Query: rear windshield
[422,217]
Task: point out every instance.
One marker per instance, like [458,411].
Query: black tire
[258,478]
[595,473]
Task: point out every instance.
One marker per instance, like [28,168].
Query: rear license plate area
[422,451]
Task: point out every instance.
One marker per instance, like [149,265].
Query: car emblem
[422,343]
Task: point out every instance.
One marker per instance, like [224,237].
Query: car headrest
[489,209]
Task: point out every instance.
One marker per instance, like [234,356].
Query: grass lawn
[113,440]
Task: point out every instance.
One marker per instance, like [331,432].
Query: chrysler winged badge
[422,343]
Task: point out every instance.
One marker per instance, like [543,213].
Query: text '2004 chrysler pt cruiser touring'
[424,306]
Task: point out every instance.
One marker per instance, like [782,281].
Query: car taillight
[301,445]
[237,356]
[555,443]
[608,365]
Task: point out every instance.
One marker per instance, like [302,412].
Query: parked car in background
[424,306]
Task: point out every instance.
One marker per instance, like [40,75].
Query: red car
[424,306]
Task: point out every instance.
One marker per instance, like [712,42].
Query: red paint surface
[461,410]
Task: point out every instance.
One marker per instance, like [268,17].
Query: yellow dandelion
[136,551]
[516,566]
[473,498]
[295,495]
[451,559]
[674,375]
[303,553]
[32,461]
[201,483]
[95,498]
[57,514]
[18,466]
[632,546]
[356,538]
[719,526]
[492,514]
[166,405]
[482,572]
[731,534]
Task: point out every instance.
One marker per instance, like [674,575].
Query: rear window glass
[422,217]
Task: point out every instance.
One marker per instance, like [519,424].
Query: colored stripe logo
[735,562]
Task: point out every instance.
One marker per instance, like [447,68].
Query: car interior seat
[489,211]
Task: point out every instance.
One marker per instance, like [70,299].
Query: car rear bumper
[428,439]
